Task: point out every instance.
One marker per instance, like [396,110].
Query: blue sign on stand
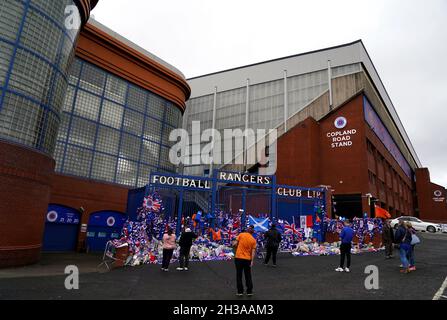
[61,229]
[102,227]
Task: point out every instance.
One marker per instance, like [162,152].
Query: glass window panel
[133,122]
[152,130]
[59,92]
[87,105]
[127,172]
[116,89]
[54,9]
[69,99]
[165,163]
[74,71]
[5,59]
[50,134]
[20,120]
[130,146]
[156,106]
[63,128]
[30,76]
[78,161]
[144,175]
[112,114]
[137,99]
[82,133]
[173,115]
[92,79]
[165,136]
[40,35]
[151,152]
[67,54]
[104,167]
[11,13]
[108,140]
[59,156]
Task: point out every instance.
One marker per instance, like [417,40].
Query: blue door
[61,229]
[102,227]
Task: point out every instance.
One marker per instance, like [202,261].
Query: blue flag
[260,224]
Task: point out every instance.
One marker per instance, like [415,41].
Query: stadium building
[85,118]
[85,115]
[337,128]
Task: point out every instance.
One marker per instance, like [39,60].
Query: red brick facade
[92,196]
[25,185]
[431,198]
[352,160]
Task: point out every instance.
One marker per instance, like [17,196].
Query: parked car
[417,224]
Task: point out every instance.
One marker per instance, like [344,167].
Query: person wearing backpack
[414,241]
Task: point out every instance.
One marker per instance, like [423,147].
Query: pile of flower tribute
[143,237]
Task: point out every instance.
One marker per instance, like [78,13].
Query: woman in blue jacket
[403,238]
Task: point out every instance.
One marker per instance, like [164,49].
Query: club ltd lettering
[298,193]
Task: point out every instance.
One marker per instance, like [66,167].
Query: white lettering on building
[341,139]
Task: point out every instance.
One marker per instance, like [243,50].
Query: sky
[407,41]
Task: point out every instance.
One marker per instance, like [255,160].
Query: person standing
[245,254]
[388,239]
[185,242]
[169,246]
[410,256]
[273,238]
[403,239]
[346,236]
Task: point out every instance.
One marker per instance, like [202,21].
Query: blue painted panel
[102,227]
[134,201]
[62,215]
[61,229]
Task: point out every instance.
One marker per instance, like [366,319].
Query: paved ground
[296,278]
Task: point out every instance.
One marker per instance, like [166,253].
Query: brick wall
[431,207]
[25,182]
[91,195]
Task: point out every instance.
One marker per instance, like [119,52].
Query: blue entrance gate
[249,194]
[61,229]
[182,195]
[102,227]
[233,191]
[304,207]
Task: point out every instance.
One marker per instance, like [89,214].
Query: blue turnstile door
[102,227]
[61,229]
